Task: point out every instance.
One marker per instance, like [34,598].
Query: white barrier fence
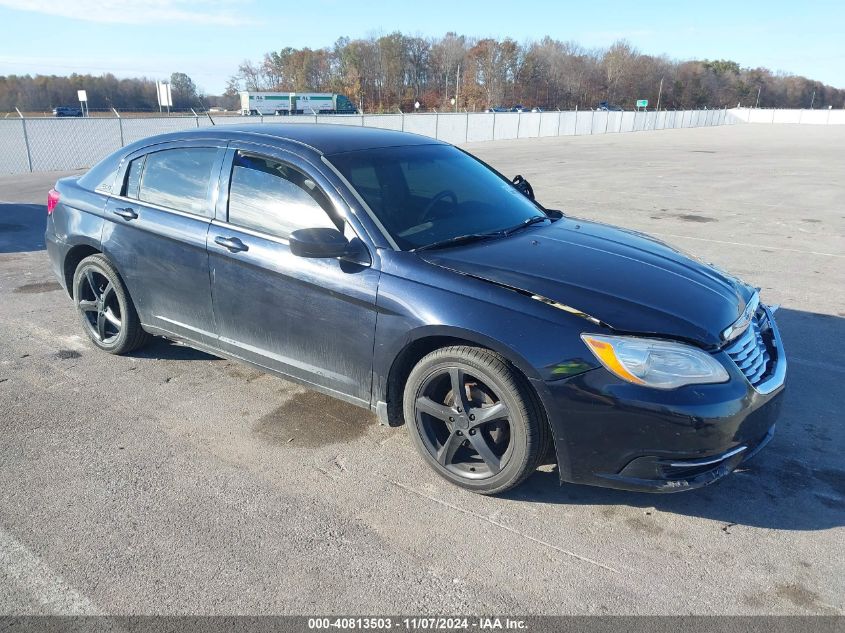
[803,117]
[44,144]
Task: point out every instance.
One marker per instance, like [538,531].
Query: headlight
[655,363]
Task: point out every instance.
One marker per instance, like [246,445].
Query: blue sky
[208,39]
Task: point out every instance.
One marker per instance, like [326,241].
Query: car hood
[629,281]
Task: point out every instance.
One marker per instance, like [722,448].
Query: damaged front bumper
[612,433]
[652,474]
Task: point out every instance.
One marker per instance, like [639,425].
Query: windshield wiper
[460,239]
[534,219]
[475,237]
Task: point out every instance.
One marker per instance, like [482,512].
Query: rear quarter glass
[101,177]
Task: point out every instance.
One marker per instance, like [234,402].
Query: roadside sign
[642,103]
[83,101]
[165,95]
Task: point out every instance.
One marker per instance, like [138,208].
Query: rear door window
[273,197]
[178,179]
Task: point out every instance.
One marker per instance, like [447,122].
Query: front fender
[419,301]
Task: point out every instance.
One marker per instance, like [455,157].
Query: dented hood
[629,281]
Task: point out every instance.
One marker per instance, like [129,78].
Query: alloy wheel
[100,306]
[464,424]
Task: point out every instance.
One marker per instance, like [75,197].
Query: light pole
[457,87]
[659,93]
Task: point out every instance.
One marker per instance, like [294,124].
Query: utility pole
[659,93]
[757,104]
[457,88]
[813,100]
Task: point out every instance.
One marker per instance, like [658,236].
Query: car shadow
[22,227]
[797,482]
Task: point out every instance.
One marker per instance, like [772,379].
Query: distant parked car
[608,107]
[497,109]
[537,110]
[67,111]
[518,108]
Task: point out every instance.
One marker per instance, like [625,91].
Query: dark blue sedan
[404,275]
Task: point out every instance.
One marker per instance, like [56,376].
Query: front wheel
[104,307]
[475,419]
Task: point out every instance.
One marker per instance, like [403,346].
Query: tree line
[384,72]
[41,93]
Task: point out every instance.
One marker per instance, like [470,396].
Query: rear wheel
[475,419]
[104,307]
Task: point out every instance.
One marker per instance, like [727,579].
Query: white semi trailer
[282,103]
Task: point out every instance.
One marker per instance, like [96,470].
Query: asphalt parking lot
[171,481]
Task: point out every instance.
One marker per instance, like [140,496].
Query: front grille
[752,351]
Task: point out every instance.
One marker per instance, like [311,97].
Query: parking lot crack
[498,524]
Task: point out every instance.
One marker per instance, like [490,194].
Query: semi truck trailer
[284,103]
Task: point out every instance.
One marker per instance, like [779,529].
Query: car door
[312,319]
[156,235]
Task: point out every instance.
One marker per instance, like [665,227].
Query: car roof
[325,138]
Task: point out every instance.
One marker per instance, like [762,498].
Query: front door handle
[232,243]
[127,213]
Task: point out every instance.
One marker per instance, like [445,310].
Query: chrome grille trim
[693,463]
[741,325]
[763,365]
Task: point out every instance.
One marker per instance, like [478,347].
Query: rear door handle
[127,213]
[232,243]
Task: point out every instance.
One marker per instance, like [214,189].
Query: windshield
[425,194]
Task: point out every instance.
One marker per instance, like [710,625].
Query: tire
[107,313]
[493,437]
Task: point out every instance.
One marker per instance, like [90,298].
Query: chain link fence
[46,144]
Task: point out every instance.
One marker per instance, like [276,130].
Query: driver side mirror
[321,242]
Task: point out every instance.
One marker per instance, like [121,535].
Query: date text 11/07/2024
[418,623]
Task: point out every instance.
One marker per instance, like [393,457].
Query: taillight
[52,200]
